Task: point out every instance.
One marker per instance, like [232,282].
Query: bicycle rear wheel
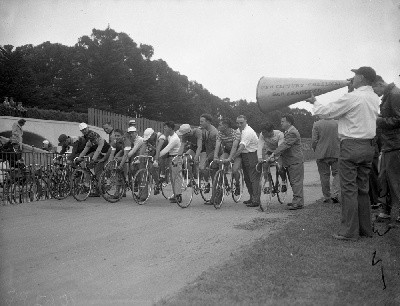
[60,184]
[205,188]
[218,189]
[237,186]
[112,185]
[281,191]
[81,184]
[141,186]
[267,189]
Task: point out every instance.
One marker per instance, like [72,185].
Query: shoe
[208,203]
[284,187]
[247,202]
[267,190]
[179,198]
[335,200]
[207,188]
[253,204]
[382,217]
[340,237]
[326,200]
[172,200]
[295,207]
[289,204]
[376,205]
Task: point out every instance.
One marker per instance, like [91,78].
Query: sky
[227,46]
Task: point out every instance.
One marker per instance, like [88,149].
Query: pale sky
[227,46]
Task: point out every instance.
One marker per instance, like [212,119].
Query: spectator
[325,143]
[107,127]
[17,132]
[6,103]
[292,160]
[21,110]
[13,107]
[48,146]
[356,112]
[247,149]
[389,124]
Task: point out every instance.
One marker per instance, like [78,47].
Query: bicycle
[269,187]
[59,178]
[142,181]
[199,185]
[187,190]
[112,182]
[83,179]
[222,186]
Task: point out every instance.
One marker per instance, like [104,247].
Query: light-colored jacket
[17,132]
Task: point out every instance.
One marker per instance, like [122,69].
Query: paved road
[98,253]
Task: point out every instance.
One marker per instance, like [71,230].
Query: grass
[302,264]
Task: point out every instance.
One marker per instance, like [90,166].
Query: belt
[370,140]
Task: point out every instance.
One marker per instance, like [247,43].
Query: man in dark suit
[326,146]
[292,160]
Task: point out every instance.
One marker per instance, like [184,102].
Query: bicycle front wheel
[112,185]
[166,185]
[267,189]
[237,186]
[141,186]
[59,184]
[81,183]
[218,189]
[186,196]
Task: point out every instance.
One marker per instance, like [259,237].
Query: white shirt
[174,143]
[356,112]
[269,144]
[249,139]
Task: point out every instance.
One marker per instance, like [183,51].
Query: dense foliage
[108,70]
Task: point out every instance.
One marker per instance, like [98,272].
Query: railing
[98,117]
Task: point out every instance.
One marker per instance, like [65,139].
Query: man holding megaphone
[356,112]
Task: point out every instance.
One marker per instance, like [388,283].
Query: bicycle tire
[237,195]
[112,185]
[278,187]
[186,190]
[141,192]
[166,186]
[203,189]
[266,185]
[218,189]
[60,184]
[81,184]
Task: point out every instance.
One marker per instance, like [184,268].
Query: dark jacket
[290,149]
[389,122]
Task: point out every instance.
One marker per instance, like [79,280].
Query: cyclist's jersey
[209,140]
[134,144]
[269,144]
[191,140]
[227,139]
[66,148]
[117,145]
[94,139]
[153,141]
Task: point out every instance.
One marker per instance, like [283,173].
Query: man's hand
[155,164]
[311,99]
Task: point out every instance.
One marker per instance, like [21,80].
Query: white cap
[46,141]
[131,129]
[147,133]
[132,121]
[82,126]
[184,129]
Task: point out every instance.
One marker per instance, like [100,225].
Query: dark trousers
[389,178]
[374,187]
[354,166]
[296,178]
[326,167]
[251,175]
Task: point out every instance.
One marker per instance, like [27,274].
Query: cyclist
[268,141]
[228,140]
[175,159]
[107,127]
[78,143]
[96,147]
[191,143]
[116,146]
[132,145]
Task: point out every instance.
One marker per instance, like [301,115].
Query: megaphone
[275,93]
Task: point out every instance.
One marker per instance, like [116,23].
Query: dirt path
[97,253]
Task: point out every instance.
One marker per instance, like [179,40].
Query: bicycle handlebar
[136,158]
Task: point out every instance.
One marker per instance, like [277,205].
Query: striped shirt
[228,138]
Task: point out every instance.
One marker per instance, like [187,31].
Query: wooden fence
[98,117]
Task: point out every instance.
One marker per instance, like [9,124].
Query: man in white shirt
[175,160]
[247,149]
[356,112]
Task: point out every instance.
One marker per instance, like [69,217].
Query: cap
[184,129]
[46,141]
[147,133]
[131,129]
[367,72]
[132,122]
[61,139]
[82,126]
